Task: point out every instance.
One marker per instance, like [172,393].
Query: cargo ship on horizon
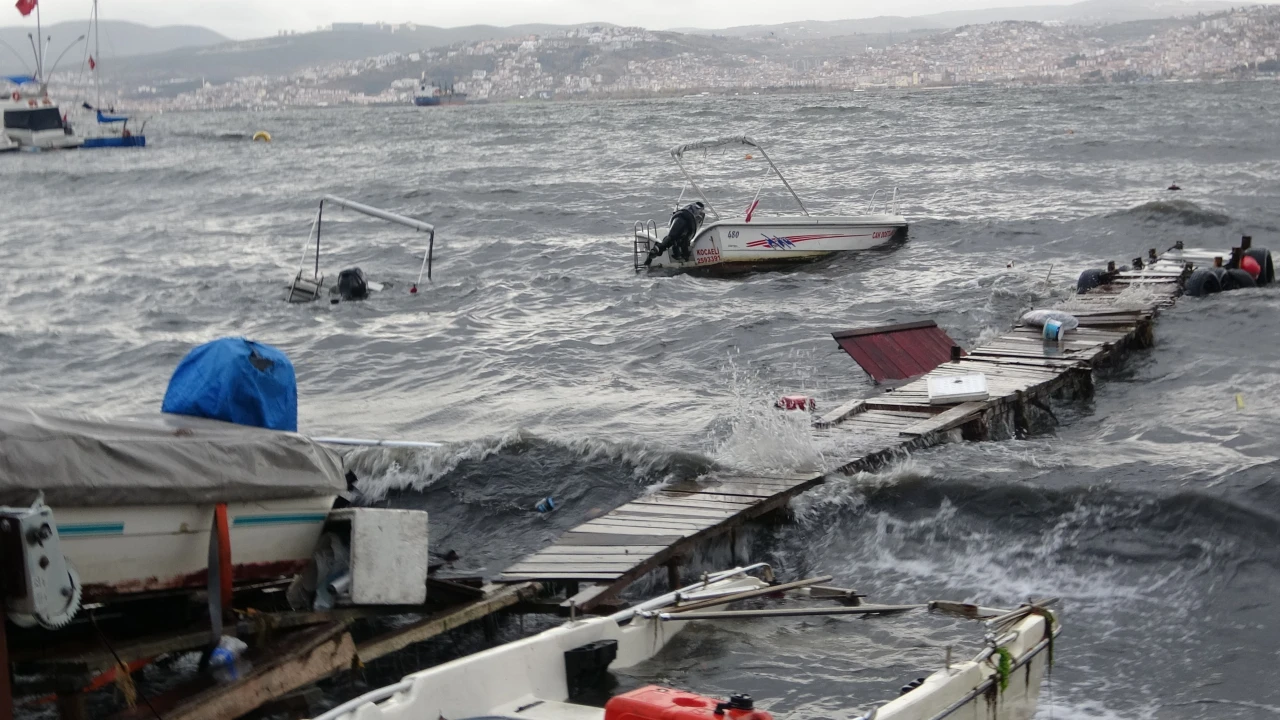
[429,94]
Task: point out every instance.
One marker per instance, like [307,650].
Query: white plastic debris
[1040,318]
[227,661]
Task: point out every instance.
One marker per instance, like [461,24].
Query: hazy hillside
[1090,12]
[290,53]
[119,39]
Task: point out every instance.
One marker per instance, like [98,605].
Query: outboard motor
[352,284]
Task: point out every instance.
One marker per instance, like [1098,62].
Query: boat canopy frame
[317,225]
[677,153]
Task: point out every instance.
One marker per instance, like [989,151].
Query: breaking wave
[911,530]
[1182,212]
[386,472]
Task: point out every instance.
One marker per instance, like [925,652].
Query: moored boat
[751,241]
[33,120]
[135,497]
[430,94]
[106,129]
[544,677]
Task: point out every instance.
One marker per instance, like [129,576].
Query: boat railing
[644,238]
[886,205]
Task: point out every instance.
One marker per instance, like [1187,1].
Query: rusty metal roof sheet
[897,352]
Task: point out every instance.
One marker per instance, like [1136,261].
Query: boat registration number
[707,256]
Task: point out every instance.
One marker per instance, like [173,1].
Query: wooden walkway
[625,544]
[1025,375]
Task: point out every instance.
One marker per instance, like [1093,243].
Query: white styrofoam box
[947,389]
[388,556]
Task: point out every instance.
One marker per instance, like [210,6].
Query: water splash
[758,436]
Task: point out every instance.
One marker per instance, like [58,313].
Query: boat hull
[115,141]
[438,101]
[729,245]
[45,139]
[526,679]
[971,690]
[125,550]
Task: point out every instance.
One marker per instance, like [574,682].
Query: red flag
[26,6]
[92,64]
[752,209]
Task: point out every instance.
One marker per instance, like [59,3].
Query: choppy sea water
[551,368]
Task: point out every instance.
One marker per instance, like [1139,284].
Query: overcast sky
[255,18]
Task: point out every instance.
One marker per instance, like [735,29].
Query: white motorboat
[752,241]
[539,678]
[136,499]
[33,120]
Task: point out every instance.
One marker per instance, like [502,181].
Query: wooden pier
[1025,375]
[624,545]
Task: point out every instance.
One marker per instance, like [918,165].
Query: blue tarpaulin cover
[111,118]
[236,380]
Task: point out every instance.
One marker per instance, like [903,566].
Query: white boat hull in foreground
[132,549]
[527,679]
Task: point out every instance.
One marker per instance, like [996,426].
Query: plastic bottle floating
[546,504]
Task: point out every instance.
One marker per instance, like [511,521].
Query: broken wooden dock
[1025,376]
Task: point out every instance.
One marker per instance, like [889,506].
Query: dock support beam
[69,699]
[6,686]
[673,574]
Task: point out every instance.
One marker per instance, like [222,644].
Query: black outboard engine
[352,284]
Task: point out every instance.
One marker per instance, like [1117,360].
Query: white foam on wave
[917,548]
[383,470]
[761,437]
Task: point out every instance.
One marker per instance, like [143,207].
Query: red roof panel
[897,352]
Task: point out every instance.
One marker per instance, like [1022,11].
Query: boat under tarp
[136,501]
[161,459]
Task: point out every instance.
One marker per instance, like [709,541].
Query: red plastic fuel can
[654,702]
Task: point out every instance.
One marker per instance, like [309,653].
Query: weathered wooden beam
[309,656]
[498,599]
[951,418]
[842,413]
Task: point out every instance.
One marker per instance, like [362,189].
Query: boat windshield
[34,120]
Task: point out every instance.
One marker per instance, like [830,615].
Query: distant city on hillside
[605,61]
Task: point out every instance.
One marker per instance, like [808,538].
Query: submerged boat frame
[531,678]
[304,289]
[749,242]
